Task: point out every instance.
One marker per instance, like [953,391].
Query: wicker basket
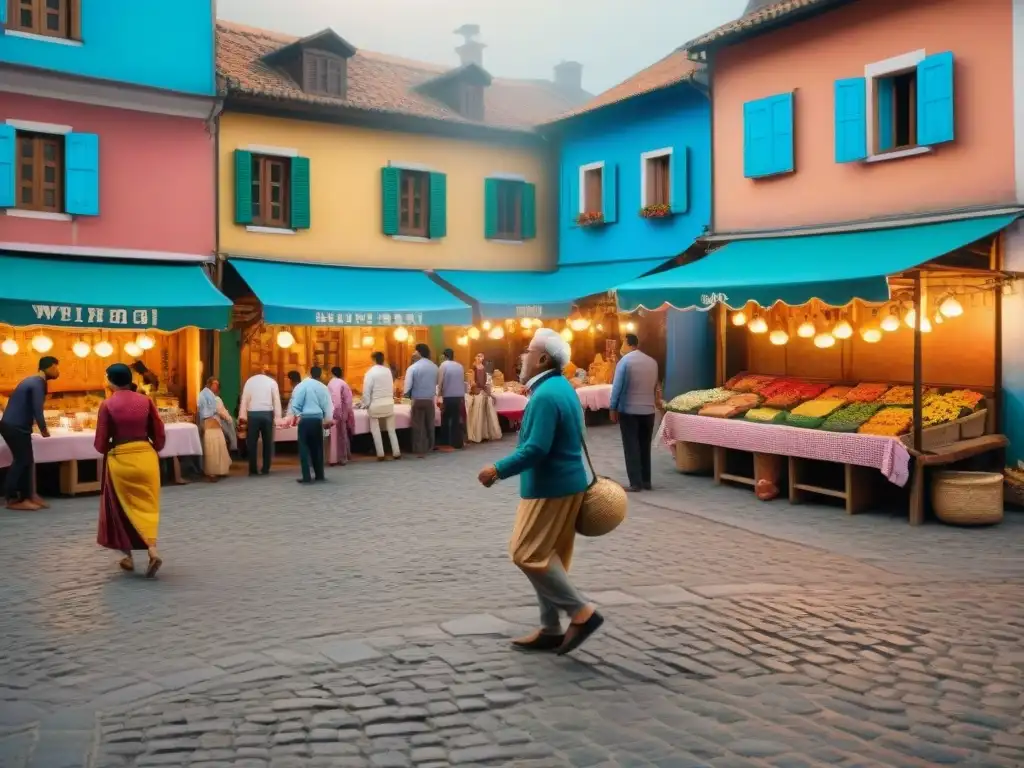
[693,458]
[974,425]
[968,498]
[1013,487]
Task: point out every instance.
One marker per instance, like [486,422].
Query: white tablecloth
[509,402]
[595,397]
[65,445]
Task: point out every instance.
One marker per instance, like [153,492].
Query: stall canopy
[834,268]
[315,294]
[542,294]
[80,293]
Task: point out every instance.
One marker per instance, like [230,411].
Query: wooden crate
[72,485]
[856,488]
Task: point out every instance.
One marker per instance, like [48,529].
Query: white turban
[552,342]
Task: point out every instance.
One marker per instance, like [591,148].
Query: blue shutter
[885,106]
[935,108]
[610,193]
[438,221]
[570,197]
[679,189]
[82,174]
[851,119]
[3,13]
[8,144]
[783,160]
[768,136]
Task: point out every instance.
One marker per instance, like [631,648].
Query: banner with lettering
[53,315]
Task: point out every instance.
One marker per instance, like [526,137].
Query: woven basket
[1013,487]
[604,508]
[693,458]
[968,498]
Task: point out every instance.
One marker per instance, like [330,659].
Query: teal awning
[542,294]
[122,294]
[320,294]
[834,268]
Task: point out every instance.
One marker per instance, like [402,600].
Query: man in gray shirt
[633,400]
[451,385]
[421,387]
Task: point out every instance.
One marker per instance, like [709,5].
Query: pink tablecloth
[64,445]
[403,417]
[595,397]
[509,402]
[886,454]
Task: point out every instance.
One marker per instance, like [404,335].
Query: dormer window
[323,73]
[461,90]
[472,102]
[318,63]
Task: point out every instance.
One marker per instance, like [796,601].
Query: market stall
[884,357]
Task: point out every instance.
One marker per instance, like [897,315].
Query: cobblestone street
[364,623]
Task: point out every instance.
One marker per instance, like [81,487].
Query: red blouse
[126,416]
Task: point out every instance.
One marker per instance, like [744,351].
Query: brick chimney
[569,76]
[472,50]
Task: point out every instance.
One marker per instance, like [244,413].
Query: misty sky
[612,38]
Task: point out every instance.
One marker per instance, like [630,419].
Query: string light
[473,333]
[368,340]
[42,343]
[842,329]
[103,349]
[950,307]
[739,318]
[758,325]
[496,333]
[806,329]
[9,347]
[81,349]
[284,339]
[401,334]
[132,349]
[891,322]
[145,341]
[567,334]
[824,340]
[778,337]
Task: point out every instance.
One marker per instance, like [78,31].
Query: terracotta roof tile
[767,14]
[381,83]
[674,68]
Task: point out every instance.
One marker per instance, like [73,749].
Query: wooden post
[720,319]
[997,384]
[917,360]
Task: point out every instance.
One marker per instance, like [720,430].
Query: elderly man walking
[633,401]
[553,481]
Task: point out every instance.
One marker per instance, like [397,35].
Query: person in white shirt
[379,401]
[261,408]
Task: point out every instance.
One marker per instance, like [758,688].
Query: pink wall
[156,180]
[809,57]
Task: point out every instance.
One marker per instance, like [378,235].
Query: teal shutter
[935,108]
[679,189]
[490,208]
[300,218]
[768,136]
[390,184]
[82,174]
[8,147]
[529,203]
[243,187]
[570,197]
[3,12]
[885,105]
[851,119]
[438,205]
[782,134]
[610,193]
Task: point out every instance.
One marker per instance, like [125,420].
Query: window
[52,18]
[896,111]
[510,210]
[270,195]
[40,172]
[414,204]
[472,102]
[324,74]
[657,173]
[592,190]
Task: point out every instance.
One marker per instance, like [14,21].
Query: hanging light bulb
[9,347]
[758,324]
[538,323]
[806,329]
[132,349]
[486,325]
[926,325]
[871,335]
[939,319]
[630,326]
[600,328]
[739,318]
[368,340]
[401,334]
[145,341]
[285,339]
[496,333]
[824,340]
[473,333]
[81,348]
[567,334]
[578,322]
[41,343]
[778,337]
[891,322]
[842,329]
[103,349]
[526,323]
[950,307]
[910,318]
[462,341]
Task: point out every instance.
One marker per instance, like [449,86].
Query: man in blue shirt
[25,406]
[451,381]
[310,403]
[421,387]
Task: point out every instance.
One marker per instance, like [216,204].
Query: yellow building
[383,169]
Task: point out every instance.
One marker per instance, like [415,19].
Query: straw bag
[604,504]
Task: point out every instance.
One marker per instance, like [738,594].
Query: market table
[595,397]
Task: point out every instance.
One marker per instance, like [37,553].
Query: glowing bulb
[926,325]
[824,340]
[145,341]
[42,343]
[778,337]
[739,318]
[951,307]
[600,328]
[473,333]
[526,323]
[567,334]
[497,332]
[486,325]
[891,322]
[939,319]
[132,349]
[806,329]
[103,349]
[843,330]
[401,334]
[630,326]
[578,322]
[538,323]
[368,340]
[758,325]
[81,349]
[285,339]
[871,335]
[9,347]
[462,341]
[910,319]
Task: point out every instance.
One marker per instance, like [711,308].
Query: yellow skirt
[545,528]
[134,471]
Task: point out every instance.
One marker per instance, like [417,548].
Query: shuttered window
[40,170]
[323,74]
[272,190]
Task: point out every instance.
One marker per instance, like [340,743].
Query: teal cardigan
[549,457]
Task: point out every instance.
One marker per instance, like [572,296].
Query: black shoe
[253,474]
[648,487]
[578,634]
[321,480]
[302,481]
[265,472]
[634,489]
[541,642]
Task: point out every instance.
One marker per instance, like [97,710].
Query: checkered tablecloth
[886,454]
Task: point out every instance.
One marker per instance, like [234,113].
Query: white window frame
[53,129]
[654,153]
[886,68]
[262,149]
[582,202]
[41,38]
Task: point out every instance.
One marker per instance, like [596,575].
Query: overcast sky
[611,38]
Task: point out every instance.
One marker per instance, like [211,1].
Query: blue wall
[166,45]
[676,117]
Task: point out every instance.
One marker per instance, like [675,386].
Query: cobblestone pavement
[363,623]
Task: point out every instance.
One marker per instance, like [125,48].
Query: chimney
[471,51]
[569,76]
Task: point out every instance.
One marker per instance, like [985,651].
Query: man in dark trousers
[633,401]
[310,405]
[25,406]
[451,387]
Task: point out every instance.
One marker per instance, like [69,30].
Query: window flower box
[590,219]
[656,211]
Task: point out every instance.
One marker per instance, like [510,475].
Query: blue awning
[117,294]
[834,268]
[542,294]
[320,294]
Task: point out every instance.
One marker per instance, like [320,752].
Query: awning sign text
[369,318]
[74,314]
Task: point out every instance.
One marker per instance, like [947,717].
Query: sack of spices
[818,408]
[866,393]
[888,422]
[848,419]
[765,415]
